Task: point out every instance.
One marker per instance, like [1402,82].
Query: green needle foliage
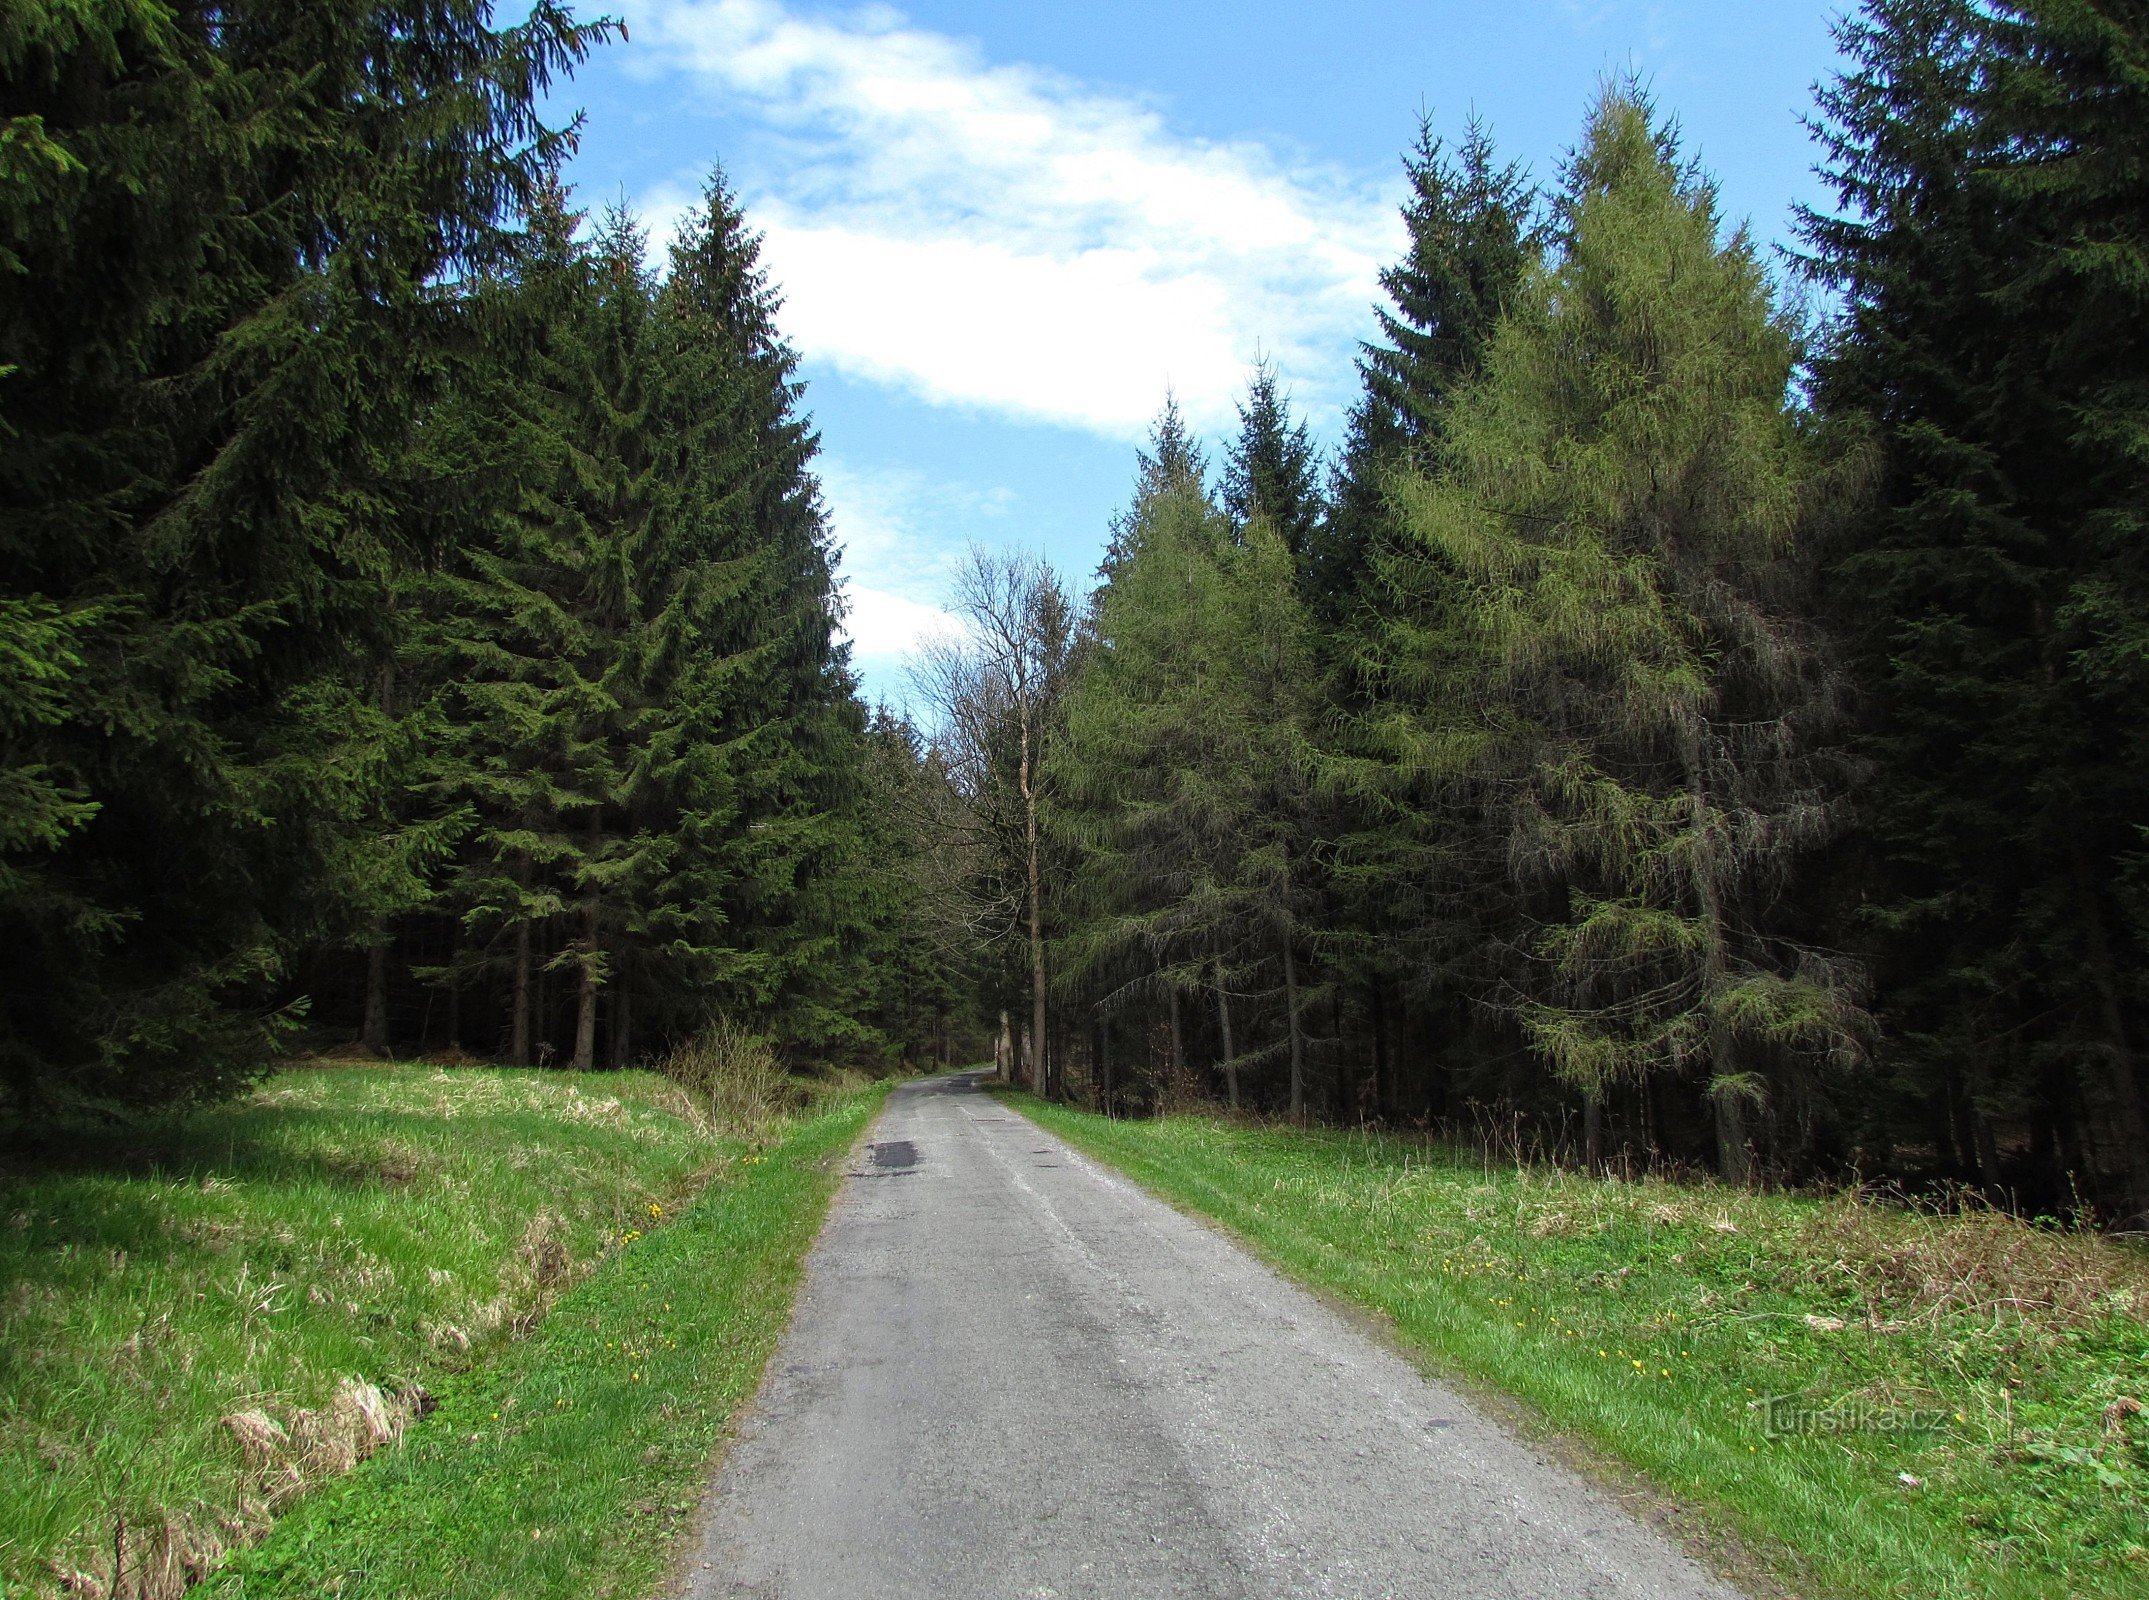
[1188,756]
[222,254]
[1991,255]
[1473,238]
[1609,666]
[416,614]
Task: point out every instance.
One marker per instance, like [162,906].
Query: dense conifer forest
[1696,719]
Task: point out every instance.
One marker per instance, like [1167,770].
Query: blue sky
[1002,230]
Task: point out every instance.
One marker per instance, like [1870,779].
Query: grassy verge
[201,1320]
[569,1466]
[1957,1399]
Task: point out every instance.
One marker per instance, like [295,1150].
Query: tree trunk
[373,1028]
[1732,1163]
[1593,1131]
[587,985]
[1037,933]
[586,1017]
[455,1013]
[1383,1088]
[1732,1156]
[1231,1054]
[373,1032]
[518,1045]
[1298,1044]
[1955,1138]
[1988,1152]
[1104,1065]
[1339,1105]
[1178,1042]
[1003,1050]
[544,1021]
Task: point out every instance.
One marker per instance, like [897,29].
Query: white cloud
[899,549]
[1003,237]
[884,626]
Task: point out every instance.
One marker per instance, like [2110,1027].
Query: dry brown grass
[1922,1261]
[287,1450]
[734,1079]
[1904,1258]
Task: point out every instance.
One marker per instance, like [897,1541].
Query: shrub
[735,1076]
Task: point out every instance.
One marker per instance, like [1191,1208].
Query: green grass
[569,1467]
[311,1260]
[1978,1370]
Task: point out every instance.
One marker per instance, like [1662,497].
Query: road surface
[1011,1373]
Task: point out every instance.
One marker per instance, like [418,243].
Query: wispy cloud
[886,629]
[895,528]
[1003,237]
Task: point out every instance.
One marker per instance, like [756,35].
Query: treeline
[1674,730]
[417,613]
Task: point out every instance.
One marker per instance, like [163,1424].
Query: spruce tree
[786,767]
[226,239]
[1269,471]
[1989,252]
[1187,763]
[1473,240]
[528,638]
[1615,670]
[1417,893]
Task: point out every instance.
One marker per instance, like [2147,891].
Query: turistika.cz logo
[1791,1416]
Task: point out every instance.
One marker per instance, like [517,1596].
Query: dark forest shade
[221,306]
[1991,255]
[415,617]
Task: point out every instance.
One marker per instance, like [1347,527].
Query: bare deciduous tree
[994,690]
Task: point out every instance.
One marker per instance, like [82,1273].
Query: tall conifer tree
[226,234]
[1991,255]
[1270,470]
[1616,665]
[1473,239]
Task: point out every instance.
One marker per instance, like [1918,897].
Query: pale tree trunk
[1003,1050]
[1298,1038]
[1039,1070]
[1231,1054]
[373,1032]
[586,1009]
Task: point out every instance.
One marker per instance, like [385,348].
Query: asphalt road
[1012,1373]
